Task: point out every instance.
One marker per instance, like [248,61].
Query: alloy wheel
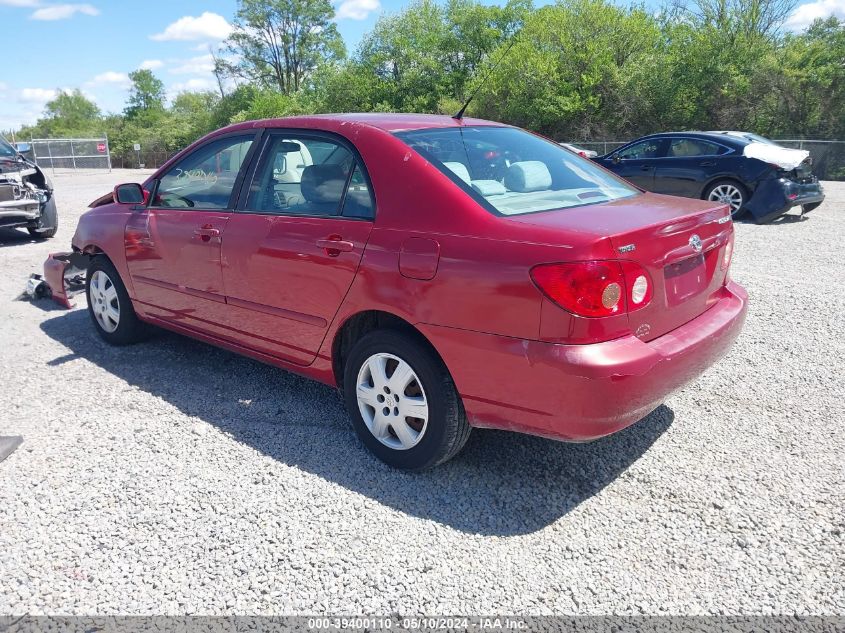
[392,401]
[727,194]
[104,301]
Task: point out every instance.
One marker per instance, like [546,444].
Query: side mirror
[615,158]
[130,193]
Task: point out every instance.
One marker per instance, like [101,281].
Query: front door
[291,253]
[173,246]
[689,164]
[638,162]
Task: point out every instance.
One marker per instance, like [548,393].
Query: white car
[585,153]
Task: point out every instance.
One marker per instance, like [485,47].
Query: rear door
[291,252]
[173,246]
[689,164]
[637,162]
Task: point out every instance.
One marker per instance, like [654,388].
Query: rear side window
[205,178]
[510,171]
[691,147]
[306,175]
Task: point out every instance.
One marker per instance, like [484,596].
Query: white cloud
[63,11]
[151,64]
[194,65]
[19,3]
[208,26]
[36,95]
[110,77]
[806,14]
[192,85]
[356,9]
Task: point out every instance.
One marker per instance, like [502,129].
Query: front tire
[729,192]
[48,223]
[806,208]
[402,401]
[109,304]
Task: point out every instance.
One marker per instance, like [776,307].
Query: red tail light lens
[592,289]
[638,283]
[595,288]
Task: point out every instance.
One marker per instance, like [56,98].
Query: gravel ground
[173,477]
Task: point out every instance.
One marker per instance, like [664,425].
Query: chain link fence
[828,156]
[149,157]
[71,153]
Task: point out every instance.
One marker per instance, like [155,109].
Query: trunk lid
[679,242]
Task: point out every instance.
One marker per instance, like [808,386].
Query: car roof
[722,137]
[389,122]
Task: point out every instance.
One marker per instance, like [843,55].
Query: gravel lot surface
[173,477]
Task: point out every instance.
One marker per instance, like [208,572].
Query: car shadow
[501,484]
[16,237]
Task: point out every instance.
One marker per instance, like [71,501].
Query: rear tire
[109,305]
[403,403]
[48,223]
[729,192]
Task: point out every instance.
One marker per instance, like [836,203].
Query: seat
[322,188]
[528,175]
[459,169]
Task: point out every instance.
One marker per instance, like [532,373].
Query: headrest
[528,175]
[323,183]
[460,170]
[488,187]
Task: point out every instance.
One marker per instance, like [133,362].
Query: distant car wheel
[730,193]
[109,304]
[48,223]
[402,401]
[809,207]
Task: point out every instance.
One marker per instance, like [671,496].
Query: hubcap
[392,401]
[727,194]
[104,301]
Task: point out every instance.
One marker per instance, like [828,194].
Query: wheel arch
[360,323]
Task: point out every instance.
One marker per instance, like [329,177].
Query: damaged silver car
[26,194]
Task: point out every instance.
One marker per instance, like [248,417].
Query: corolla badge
[695,242]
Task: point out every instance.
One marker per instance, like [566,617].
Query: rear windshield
[511,172]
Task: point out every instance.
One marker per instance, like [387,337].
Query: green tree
[570,70]
[280,43]
[146,95]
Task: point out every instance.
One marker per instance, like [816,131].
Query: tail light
[594,288]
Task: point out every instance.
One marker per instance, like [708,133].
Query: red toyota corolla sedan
[444,274]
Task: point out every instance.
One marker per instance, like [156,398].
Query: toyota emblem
[695,242]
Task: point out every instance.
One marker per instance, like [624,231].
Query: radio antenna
[460,113]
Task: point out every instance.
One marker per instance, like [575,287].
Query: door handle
[205,233]
[707,163]
[645,167]
[334,245]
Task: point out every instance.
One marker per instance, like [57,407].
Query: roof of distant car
[726,138]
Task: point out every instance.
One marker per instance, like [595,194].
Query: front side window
[206,177]
[644,149]
[691,147]
[307,175]
[511,172]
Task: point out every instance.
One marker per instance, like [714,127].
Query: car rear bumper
[775,197]
[583,392]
